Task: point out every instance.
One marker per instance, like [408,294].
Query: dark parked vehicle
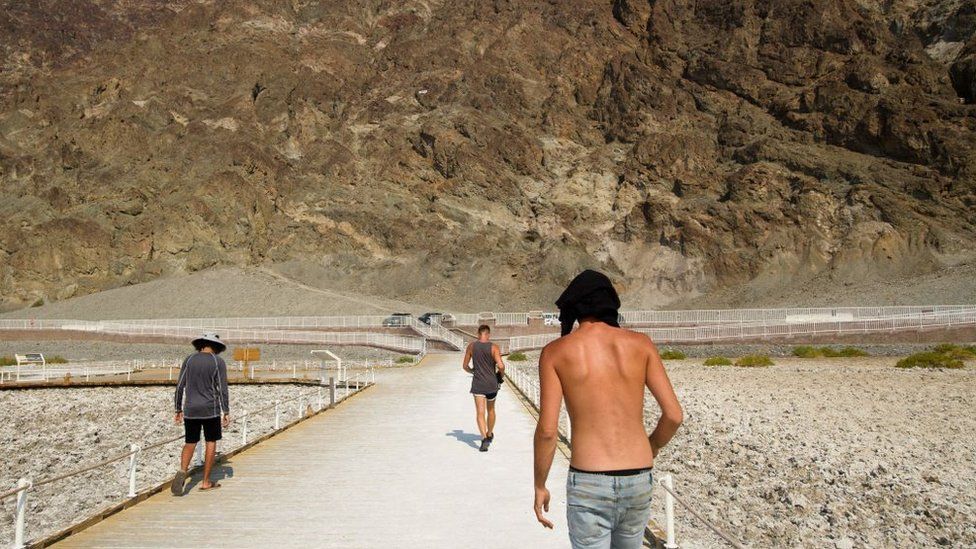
[396,320]
[427,318]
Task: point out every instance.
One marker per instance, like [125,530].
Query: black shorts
[211,429]
[488,396]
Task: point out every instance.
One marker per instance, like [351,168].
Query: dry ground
[825,452]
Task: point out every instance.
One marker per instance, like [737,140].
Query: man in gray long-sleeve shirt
[201,397]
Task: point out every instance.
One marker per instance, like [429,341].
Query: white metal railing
[434,330]
[782,329]
[280,322]
[526,381]
[390,341]
[720,316]
[665,317]
[337,393]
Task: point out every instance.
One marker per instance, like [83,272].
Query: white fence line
[785,329]
[699,316]
[435,331]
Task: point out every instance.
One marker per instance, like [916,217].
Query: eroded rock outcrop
[685,148]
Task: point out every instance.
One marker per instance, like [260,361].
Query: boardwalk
[395,467]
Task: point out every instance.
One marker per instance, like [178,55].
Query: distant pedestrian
[488,370]
[602,370]
[203,381]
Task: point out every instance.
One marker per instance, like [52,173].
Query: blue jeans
[607,512]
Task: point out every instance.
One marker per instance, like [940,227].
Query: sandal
[179,482]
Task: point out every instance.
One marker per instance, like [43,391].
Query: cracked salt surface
[824,453]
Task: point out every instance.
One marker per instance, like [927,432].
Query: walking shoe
[484,445]
[491,438]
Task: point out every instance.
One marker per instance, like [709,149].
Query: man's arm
[467,360]
[546,432]
[497,355]
[660,386]
[178,397]
[224,392]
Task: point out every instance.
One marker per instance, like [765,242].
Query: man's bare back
[602,371]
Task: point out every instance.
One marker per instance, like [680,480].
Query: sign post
[247,355]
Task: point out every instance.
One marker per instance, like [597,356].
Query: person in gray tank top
[487,372]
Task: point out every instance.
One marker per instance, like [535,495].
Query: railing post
[668,482]
[133,460]
[293,370]
[277,414]
[332,391]
[21,522]
[244,428]
[301,413]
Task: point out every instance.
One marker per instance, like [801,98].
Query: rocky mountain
[422,148]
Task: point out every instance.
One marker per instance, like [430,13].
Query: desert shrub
[7,361]
[806,351]
[671,354]
[954,351]
[846,352]
[405,360]
[56,359]
[717,361]
[851,352]
[929,359]
[38,303]
[517,356]
[754,361]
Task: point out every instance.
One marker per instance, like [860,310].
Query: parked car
[427,318]
[550,319]
[396,320]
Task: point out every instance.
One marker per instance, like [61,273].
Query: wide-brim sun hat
[211,340]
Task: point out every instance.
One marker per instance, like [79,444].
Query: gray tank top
[484,381]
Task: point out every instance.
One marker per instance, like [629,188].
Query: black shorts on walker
[210,426]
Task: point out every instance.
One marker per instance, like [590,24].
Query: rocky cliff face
[392,147]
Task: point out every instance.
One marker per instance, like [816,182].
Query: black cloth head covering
[590,294]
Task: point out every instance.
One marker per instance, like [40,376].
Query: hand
[226,422]
[178,418]
[542,504]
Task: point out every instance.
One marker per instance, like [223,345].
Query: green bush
[806,351]
[717,361]
[851,352]
[518,356]
[56,359]
[671,354]
[38,303]
[754,361]
[7,361]
[929,359]
[405,360]
[955,351]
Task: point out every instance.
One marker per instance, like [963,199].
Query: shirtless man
[601,370]
[487,374]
